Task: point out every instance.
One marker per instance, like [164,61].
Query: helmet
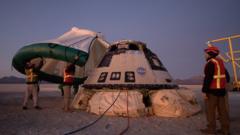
[212,50]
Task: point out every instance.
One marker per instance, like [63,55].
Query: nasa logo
[141,70]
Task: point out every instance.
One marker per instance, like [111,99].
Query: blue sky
[176,30]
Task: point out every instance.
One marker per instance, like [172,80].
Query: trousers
[66,97]
[32,89]
[216,104]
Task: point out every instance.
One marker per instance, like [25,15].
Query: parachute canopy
[56,53]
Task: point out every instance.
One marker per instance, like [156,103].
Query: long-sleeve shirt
[209,73]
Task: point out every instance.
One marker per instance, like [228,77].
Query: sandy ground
[53,121]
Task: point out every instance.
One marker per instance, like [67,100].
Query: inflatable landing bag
[170,103]
[81,99]
[101,101]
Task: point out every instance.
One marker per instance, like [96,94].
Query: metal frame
[231,57]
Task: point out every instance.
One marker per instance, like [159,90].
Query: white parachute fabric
[96,53]
[79,39]
[88,41]
[174,103]
[101,101]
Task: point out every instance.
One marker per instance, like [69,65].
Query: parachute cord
[90,46]
[11,67]
[128,119]
[72,46]
[95,121]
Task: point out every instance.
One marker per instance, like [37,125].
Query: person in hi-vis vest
[214,92]
[32,78]
[68,80]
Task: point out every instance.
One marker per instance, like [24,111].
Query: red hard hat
[212,49]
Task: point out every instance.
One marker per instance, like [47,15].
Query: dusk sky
[176,30]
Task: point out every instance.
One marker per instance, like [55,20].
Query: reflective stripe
[68,78]
[30,75]
[219,75]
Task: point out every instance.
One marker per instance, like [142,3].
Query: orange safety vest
[31,77]
[219,77]
[68,77]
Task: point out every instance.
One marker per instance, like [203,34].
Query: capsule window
[115,76]
[129,76]
[106,60]
[133,47]
[156,62]
[103,77]
[113,48]
[153,60]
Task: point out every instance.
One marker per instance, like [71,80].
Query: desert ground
[51,120]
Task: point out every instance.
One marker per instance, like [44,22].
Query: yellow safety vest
[31,77]
[68,78]
[219,78]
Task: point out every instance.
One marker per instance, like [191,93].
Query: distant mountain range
[11,79]
[14,80]
[195,80]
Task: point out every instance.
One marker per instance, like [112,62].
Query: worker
[32,78]
[214,92]
[60,87]
[75,88]
[68,81]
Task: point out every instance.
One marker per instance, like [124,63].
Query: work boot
[24,108]
[208,131]
[30,97]
[38,107]
[223,132]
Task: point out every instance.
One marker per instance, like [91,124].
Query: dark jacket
[209,73]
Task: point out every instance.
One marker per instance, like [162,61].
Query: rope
[12,66]
[72,46]
[128,119]
[95,121]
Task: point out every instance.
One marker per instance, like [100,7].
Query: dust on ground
[51,120]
